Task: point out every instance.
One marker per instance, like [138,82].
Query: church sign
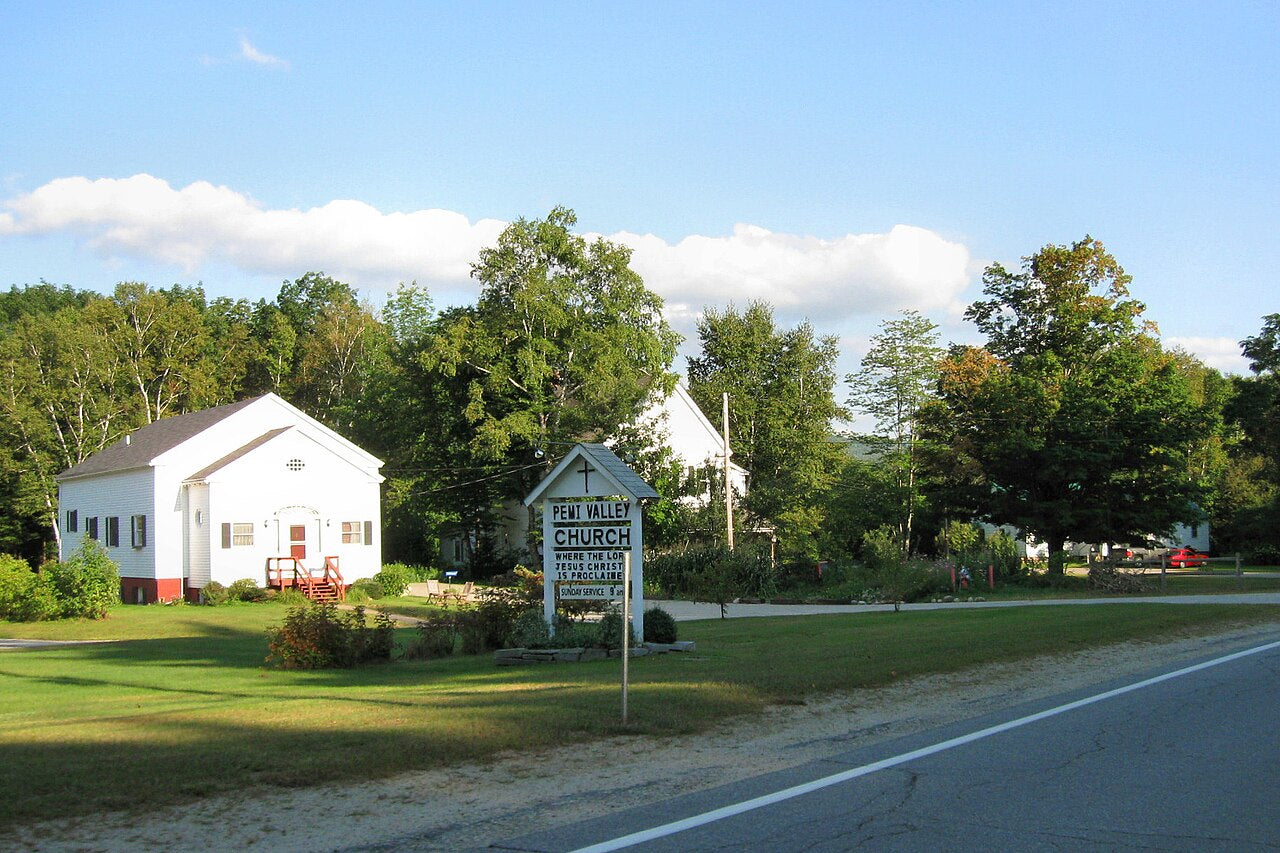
[591,528]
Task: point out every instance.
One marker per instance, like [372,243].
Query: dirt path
[472,806]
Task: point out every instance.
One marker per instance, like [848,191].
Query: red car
[1182,558]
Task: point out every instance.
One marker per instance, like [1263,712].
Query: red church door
[298,541]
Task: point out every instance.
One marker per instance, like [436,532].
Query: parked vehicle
[1145,550]
[1184,558]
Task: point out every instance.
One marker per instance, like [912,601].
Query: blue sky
[844,161]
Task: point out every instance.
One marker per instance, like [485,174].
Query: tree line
[1070,422]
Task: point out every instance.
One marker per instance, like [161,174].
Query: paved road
[1185,761]
[684,611]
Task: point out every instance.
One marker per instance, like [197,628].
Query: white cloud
[856,274]
[145,217]
[827,280]
[1220,353]
[252,54]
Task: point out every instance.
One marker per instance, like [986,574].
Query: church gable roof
[140,447]
[618,476]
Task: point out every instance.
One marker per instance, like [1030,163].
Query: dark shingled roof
[606,461]
[604,458]
[145,444]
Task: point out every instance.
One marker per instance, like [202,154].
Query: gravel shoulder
[475,805]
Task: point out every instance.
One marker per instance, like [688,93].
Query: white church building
[222,494]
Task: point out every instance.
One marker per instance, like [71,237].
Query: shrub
[214,594]
[1003,554]
[916,580]
[488,625]
[1265,555]
[290,597]
[609,631]
[437,637]
[246,589]
[425,573]
[87,584]
[394,578]
[369,588]
[956,537]
[319,636]
[530,631]
[713,572]
[24,595]
[881,550]
[573,635]
[659,626]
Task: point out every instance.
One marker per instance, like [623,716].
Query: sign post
[626,633]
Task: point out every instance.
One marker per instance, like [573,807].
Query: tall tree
[1257,403]
[64,395]
[1248,515]
[565,344]
[165,349]
[1072,423]
[899,375]
[781,386]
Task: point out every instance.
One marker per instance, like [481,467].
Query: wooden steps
[322,585]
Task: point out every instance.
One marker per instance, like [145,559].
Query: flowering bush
[319,636]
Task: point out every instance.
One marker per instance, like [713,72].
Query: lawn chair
[434,592]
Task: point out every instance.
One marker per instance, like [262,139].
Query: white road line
[817,784]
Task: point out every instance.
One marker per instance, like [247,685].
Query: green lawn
[181,706]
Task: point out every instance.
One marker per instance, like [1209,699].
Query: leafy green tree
[565,344]
[164,349]
[1247,512]
[781,385]
[899,375]
[408,314]
[1072,422]
[343,354]
[303,300]
[1256,406]
[863,498]
[42,298]
[275,342]
[64,395]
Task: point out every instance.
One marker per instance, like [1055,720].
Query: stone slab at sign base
[512,657]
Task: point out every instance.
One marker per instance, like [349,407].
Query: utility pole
[728,487]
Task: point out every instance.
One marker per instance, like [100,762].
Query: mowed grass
[181,706]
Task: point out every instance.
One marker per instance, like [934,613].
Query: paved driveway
[683,611]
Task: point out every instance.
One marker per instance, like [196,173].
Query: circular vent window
[295,465]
